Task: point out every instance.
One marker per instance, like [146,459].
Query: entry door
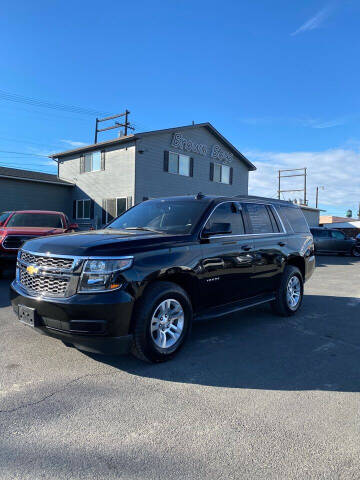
[227,264]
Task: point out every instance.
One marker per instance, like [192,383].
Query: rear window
[294,217]
[35,220]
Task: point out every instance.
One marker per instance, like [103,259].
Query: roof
[137,136]
[29,175]
[240,198]
[350,224]
[47,212]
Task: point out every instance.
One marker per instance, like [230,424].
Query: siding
[117,180]
[31,195]
[312,217]
[152,181]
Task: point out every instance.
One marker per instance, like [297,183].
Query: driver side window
[229,212]
[337,235]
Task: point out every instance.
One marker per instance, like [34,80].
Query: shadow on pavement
[257,350]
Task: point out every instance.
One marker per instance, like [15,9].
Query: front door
[227,264]
[340,243]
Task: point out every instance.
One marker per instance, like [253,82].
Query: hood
[101,242]
[31,230]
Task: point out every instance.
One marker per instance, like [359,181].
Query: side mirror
[217,229]
[73,226]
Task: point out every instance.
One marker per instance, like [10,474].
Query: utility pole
[317,196]
[126,124]
[304,174]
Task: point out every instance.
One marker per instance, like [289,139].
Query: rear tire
[162,322]
[290,293]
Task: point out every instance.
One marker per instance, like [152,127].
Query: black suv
[139,283]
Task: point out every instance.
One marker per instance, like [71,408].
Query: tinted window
[4,216]
[338,235]
[259,218]
[318,233]
[35,220]
[227,213]
[169,216]
[295,217]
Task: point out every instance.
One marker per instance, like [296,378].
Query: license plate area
[27,315]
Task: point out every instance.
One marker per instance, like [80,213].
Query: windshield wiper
[145,229]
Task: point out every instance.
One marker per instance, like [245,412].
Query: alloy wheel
[167,323]
[293,292]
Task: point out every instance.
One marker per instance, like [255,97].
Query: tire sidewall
[291,272]
[151,302]
[355,252]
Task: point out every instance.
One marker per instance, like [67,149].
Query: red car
[17,227]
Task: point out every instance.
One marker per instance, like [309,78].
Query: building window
[113,207]
[83,209]
[221,173]
[179,164]
[92,161]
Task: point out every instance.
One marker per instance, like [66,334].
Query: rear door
[269,242]
[227,265]
[340,243]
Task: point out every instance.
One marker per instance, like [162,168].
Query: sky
[278,78]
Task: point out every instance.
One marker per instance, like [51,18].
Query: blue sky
[280,79]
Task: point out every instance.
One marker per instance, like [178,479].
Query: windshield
[35,220]
[168,216]
[4,216]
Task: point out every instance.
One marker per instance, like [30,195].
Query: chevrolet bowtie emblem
[31,270]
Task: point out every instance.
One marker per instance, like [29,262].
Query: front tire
[355,252]
[290,293]
[162,322]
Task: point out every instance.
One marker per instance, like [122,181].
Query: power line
[14,97]
[25,153]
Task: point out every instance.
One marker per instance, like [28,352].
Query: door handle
[246,248]
[282,244]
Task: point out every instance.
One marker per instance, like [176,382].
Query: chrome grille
[44,285]
[48,276]
[44,261]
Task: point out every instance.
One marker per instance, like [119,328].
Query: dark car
[334,241]
[140,282]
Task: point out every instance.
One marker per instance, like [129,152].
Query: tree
[349,213]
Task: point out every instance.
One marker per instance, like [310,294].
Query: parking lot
[250,396]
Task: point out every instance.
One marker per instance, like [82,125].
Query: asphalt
[251,396]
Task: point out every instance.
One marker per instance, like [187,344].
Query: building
[350,226]
[21,189]
[111,176]
[312,215]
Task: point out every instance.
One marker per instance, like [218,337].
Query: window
[92,161]
[295,217]
[83,209]
[3,217]
[220,173]
[113,207]
[170,216]
[229,212]
[259,218]
[179,164]
[337,235]
[35,220]
[320,233]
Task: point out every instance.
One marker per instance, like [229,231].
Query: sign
[216,151]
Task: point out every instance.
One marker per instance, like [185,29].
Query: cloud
[335,169]
[73,143]
[315,21]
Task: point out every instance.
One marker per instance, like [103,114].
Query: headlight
[103,275]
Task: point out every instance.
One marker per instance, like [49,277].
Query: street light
[317,195]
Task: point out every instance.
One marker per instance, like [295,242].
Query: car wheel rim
[167,323]
[356,252]
[293,293]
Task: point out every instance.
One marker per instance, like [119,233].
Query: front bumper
[98,323]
